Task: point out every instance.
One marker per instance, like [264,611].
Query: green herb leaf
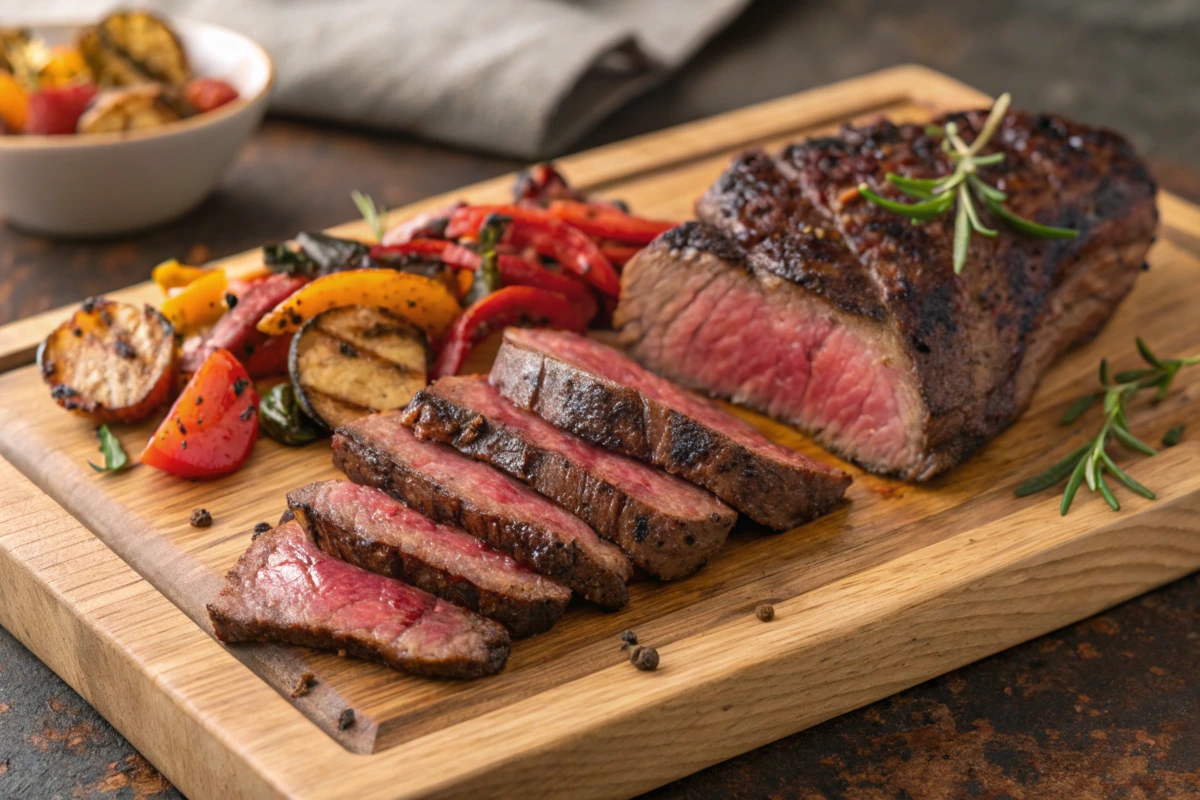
[1028,226]
[962,237]
[110,446]
[375,217]
[1076,409]
[1053,475]
[930,208]
[1173,436]
[1072,486]
[1147,353]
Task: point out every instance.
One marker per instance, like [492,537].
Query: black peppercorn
[765,612]
[629,638]
[201,518]
[346,719]
[644,658]
[261,528]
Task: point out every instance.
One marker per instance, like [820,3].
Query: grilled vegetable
[127,110]
[316,254]
[605,221]
[170,274]
[205,94]
[148,42]
[199,304]
[425,302]
[56,110]
[512,305]
[113,362]
[212,427]
[347,362]
[14,103]
[109,67]
[281,418]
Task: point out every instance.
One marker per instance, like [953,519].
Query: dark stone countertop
[1105,708]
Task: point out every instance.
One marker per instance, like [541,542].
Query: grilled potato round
[113,362]
[350,361]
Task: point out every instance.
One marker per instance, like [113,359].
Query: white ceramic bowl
[109,183]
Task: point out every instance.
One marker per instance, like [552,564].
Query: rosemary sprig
[375,216]
[110,446]
[962,188]
[1090,462]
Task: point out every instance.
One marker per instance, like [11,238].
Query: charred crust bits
[302,685]
[346,720]
[347,350]
[261,528]
[201,518]
[179,424]
[472,430]
[239,386]
[249,412]
[286,517]
[62,392]
[765,612]
[628,639]
[89,305]
[644,658]
[641,529]
[689,441]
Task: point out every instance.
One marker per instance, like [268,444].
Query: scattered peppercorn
[201,518]
[124,349]
[629,638]
[248,413]
[644,658]
[231,301]
[239,386]
[346,720]
[765,612]
[303,684]
[1174,436]
[261,528]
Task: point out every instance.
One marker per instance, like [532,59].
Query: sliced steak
[367,528]
[667,526]
[285,589]
[801,300]
[603,396]
[438,481]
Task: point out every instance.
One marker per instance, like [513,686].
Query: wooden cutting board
[104,579]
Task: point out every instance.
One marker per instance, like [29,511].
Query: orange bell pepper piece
[201,303]
[424,302]
[14,103]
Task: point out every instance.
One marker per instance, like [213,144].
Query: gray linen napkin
[518,77]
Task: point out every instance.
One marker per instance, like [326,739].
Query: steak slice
[285,589]
[667,526]
[603,396]
[803,301]
[378,450]
[367,528]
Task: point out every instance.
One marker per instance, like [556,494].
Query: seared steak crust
[365,527]
[667,526]
[970,348]
[600,395]
[378,450]
[284,589]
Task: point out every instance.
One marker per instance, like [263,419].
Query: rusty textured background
[1106,708]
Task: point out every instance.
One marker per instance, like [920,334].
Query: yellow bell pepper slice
[424,302]
[170,274]
[65,65]
[201,303]
[14,103]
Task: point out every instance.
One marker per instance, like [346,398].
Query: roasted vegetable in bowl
[112,362]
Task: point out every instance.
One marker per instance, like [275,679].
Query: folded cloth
[518,77]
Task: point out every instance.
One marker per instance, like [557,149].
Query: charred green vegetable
[281,418]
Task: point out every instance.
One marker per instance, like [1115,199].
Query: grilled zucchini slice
[351,361]
[112,362]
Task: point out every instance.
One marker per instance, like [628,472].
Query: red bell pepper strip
[564,243]
[212,426]
[619,254]
[608,222]
[512,305]
[448,252]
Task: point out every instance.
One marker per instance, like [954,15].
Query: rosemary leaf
[1076,409]
[1125,477]
[1029,227]
[1131,375]
[964,199]
[1072,487]
[929,208]
[1107,494]
[1147,353]
[985,161]
[1053,475]
[962,237]
[984,191]
[1173,436]
[1132,442]
[375,216]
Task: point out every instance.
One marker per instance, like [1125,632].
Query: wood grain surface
[900,584]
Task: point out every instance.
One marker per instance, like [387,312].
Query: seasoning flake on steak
[285,589]
[603,396]
[380,451]
[667,526]
[797,298]
[365,527]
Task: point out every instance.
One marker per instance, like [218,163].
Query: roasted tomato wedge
[213,424]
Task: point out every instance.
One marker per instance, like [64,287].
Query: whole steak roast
[796,297]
